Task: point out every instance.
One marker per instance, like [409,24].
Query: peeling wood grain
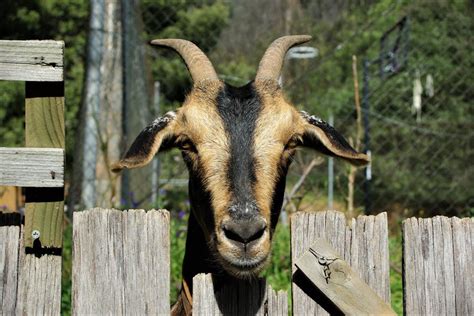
[438,265]
[29,285]
[9,258]
[39,285]
[121,262]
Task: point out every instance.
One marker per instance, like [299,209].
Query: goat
[237,143]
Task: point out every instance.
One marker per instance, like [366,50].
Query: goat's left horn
[197,62]
[272,61]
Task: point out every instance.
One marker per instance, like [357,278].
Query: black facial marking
[277,199]
[239,109]
[200,199]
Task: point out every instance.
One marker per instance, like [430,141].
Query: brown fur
[279,128]
[276,125]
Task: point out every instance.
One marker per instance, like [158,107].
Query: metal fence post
[365,113]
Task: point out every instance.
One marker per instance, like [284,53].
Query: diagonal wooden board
[339,282]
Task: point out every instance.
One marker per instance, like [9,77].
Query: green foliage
[396,282]
[12,113]
[432,157]
[178,244]
[66,272]
[44,19]
[278,273]
[193,21]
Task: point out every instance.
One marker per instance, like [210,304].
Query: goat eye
[292,143]
[186,145]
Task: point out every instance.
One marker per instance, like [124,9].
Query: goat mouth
[244,268]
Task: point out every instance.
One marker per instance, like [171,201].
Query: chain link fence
[414,113]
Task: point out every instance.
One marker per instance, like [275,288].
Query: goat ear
[157,136]
[321,136]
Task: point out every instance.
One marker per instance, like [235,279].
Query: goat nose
[244,231]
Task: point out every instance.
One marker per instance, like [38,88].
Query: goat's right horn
[198,64]
[272,61]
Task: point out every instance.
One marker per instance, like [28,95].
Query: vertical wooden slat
[44,117]
[9,258]
[39,285]
[364,244]
[438,261]
[219,296]
[121,262]
[463,255]
[277,302]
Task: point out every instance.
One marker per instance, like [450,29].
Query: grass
[278,273]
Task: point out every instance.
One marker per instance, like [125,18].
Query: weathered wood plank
[438,261]
[364,245]
[463,257]
[336,280]
[31,60]
[29,285]
[221,296]
[9,258]
[44,118]
[121,262]
[39,284]
[32,167]
[277,302]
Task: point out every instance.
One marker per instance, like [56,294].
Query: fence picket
[121,262]
[364,244]
[9,258]
[438,260]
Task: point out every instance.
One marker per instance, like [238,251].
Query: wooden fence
[121,266]
[30,255]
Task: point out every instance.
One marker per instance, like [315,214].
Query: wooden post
[44,128]
[364,245]
[438,265]
[217,296]
[121,262]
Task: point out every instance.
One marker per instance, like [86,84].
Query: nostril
[257,235]
[244,231]
[232,235]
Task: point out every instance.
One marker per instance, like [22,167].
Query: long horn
[272,61]
[197,62]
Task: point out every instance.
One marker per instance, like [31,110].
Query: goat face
[237,143]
